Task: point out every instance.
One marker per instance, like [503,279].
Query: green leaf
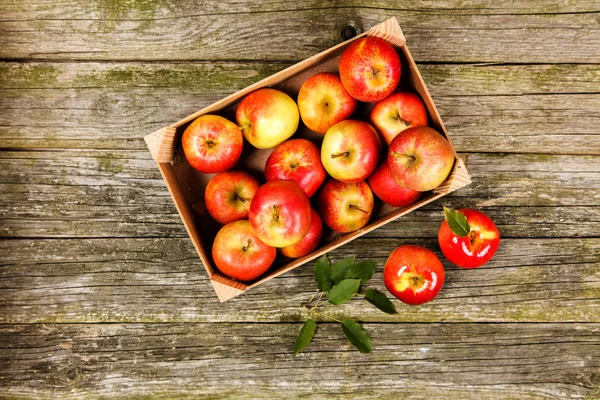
[343,291]
[339,269]
[356,335]
[305,336]
[380,301]
[457,222]
[323,274]
[363,270]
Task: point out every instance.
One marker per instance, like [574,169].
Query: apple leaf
[363,270]
[305,336]
[323,274]
[356,335]
[457,222]
[339,269]
[343,291]
[380,301]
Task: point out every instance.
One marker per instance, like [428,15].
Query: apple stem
[276,212]
[243,200]
[398,155]
[472,236]
[344,154]
[246,247]
[405,122]
[359,209]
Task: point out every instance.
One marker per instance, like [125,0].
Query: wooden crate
[187,185]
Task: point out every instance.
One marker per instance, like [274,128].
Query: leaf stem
[317,303]
[325,316]
[313,297]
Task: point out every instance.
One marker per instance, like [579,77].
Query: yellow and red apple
[370,69]
[350,150]
[345,207]
[212,144]
[323,102]
[280,213]
[228,195]
[308,242]
[397,112]
[420,158]
[267,117]
[297,160]
[240,254]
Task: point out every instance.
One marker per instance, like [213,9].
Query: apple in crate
[385,187]
[323,102]
[345,207]
[420,158]
[413,274]
[370,69]
[297,160]
[350,150]
[308,242]
[228,195]
[267,117]
[280,213]
[212,144]
[468,238]
[240,254]
[397,112]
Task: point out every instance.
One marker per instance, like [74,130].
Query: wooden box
[187,185]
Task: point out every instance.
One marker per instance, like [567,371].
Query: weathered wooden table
[102,294]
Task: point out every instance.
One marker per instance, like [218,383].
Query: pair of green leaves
[341,281]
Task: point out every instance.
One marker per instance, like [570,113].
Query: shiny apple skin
[385,187]
[420,158]
[240,254]
[297,160]
[413,274]
[340,204]
[308,242]
[475,249]
[280,213]
[323,102]
[212,144]
[363,145]
[267,117]
[228,195]
[370,69]
[397,112]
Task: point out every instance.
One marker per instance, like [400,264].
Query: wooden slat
[162,280]
[163,30]
[466,361]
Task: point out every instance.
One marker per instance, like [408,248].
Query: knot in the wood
[348,32]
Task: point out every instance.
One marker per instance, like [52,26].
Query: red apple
[370,69]
[350,150]
[280,213]
[420,158]
[345,207]
[308,242]
[228,196]
[472,249]
[212,144]
[267,117]
[413,274]
[398,112]
[384,185]
[323,102]
[297,160]
[239,253]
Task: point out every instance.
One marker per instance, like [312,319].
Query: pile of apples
[340,176]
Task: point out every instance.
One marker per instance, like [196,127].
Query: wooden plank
[162,280]
[164,30]
[121,194]
[111,106]
[467,361]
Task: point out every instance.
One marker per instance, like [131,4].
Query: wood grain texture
[221,361]
[111,106]
[162,280]
[164,30]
